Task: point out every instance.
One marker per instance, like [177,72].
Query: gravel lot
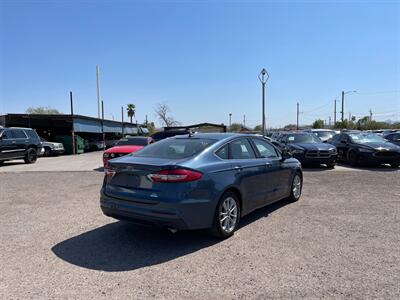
[341,240]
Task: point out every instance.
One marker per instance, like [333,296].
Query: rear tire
[47,151]
[30,156]
[296,188]
[227,216]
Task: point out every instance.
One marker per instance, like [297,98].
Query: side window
[265,149]
[6,134]
[31,134]
[223,152]
[18,134]
[344,138]
[241,149]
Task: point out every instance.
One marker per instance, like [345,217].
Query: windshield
[324,134]
[132,142]
[303,138]
[175,148]
[366,138]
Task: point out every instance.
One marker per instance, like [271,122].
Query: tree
[162,112]
[258,128]
[40,110]
[290,127]
[131,108]
[235,127]
[318,124]
[151,127]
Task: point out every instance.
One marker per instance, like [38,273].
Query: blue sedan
[199,181]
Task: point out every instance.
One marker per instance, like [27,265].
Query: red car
[125,146]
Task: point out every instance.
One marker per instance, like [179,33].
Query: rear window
[175,148]
[32,134]
[132,141]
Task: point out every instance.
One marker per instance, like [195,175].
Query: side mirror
[286,154]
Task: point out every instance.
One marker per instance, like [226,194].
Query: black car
[158,136]
[19,143]
[366,148]
[393,137]
[309,149]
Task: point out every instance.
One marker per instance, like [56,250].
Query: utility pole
[334,112]
[244,121]
[263,77]
[102,125]
[370,115]
[122,120]
[349,116]
[342,106]
[72,132]
[329,121]
[146,121]
[230,119]
[98,91]
[297,122]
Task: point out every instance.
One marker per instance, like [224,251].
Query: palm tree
[131,110]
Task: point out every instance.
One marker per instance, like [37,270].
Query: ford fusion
[366,148]
[309,148]
[199,181]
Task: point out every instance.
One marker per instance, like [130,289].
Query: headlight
[333,150]
[365,150]
[297,151]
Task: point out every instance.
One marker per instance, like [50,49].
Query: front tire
[330,166]
[30,156]
[227,216]
[297,187]
[47,151]
[353,159]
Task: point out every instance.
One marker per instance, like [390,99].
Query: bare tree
[162,112]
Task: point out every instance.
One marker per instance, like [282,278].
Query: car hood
[312,146]
[124,149]
[385,146]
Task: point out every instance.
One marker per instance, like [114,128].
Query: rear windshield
[132,141]
[175,148]
[303,138]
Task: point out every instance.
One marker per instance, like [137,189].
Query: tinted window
[132,141]
[223,152]
[175,148]
[18,134]
[265,149]
[336,137]
[32,134]
[6,135]
[241,149]
[393,137]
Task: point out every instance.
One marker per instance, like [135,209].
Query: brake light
[175,175]
[109,172]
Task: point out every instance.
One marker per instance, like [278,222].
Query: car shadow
[124,246]
[379,168]
[11,163]
[99,169]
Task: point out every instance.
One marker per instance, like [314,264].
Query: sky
[202,58]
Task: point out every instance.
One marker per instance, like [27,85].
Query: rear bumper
[184,215]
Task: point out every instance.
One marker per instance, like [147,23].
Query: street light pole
[230,119]
[263,77]
[344,93]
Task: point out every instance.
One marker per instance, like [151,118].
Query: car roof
[216,135]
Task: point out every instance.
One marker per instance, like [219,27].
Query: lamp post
[345,93]
[230,119]
[263,77]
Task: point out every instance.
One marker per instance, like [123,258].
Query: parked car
[93,144]
[125,146]
[204,180]
[158,136]
[19,143]
[51,148]
[393,137]
[323,134]
[366,148]
[309,149]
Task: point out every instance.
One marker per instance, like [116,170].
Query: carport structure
[51,126]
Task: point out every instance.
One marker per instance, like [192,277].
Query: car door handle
[238,168]
[268,165]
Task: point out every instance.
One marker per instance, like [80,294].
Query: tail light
[175,175]
[109,172]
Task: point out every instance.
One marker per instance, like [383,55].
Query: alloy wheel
[296,188]
[228,215]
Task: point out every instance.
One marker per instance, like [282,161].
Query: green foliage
[40,110]
[318,124]
[131,109]
[151,127]
[258,128]
[290,127]
[365,123]
[235,127]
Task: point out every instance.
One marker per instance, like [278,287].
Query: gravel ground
[341,240]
